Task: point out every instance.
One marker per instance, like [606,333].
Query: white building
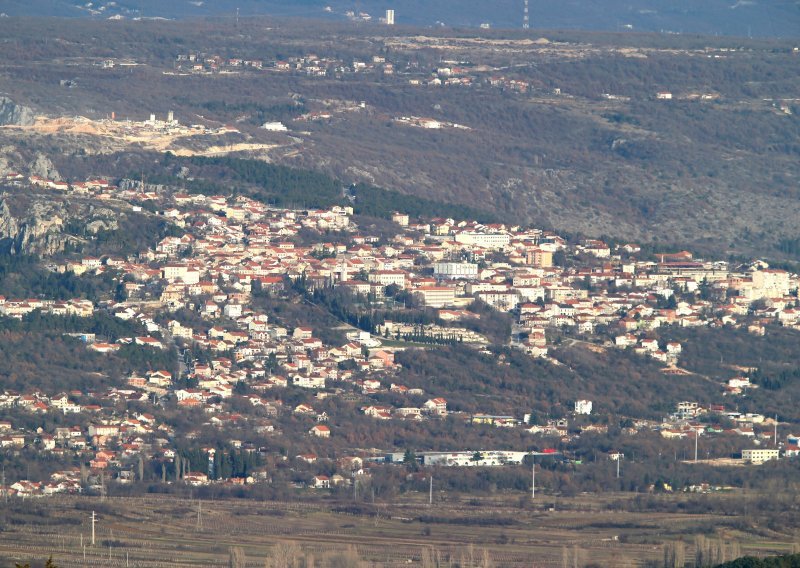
[275,127]
[760,455]
[401,219]
[436,296]
[316,382]
[499,300]
[388,278]
[389,17]
[180,272]
[453,270]
[484,240]
[771,283]
[232,310]
[583,407]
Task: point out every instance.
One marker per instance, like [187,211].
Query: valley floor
[512,531]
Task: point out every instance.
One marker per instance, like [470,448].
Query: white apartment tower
[389,17]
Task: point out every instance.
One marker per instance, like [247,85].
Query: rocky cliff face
[16,159]
[42,227]
[43,167]
[12,114]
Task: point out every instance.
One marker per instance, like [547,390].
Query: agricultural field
[498,531]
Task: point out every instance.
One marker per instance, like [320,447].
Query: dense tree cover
[257,112]
[301,188]
[22,276]
[278,185]
[295,311]
[102,324]
[619,383]
[790,247]
[770,362]
[225,464]
[787,561]
[53,362]
[135,233]
[371,200]
[368,314]
[492,323]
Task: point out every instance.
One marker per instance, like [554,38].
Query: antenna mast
[525,18]
[94,520]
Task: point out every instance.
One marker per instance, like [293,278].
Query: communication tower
[525,18]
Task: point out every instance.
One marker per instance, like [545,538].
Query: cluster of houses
[235,249]
[20,308]
[310,65]
[202,63]
[692,420]
[444,74]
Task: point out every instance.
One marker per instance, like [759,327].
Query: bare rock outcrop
[44,227]
[43,167]
[12,114]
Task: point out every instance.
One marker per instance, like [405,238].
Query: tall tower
[525,19]
[389,17]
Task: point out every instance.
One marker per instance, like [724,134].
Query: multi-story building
[760,455]
[436,296]
[455,270]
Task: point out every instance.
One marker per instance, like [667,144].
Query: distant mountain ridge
[757,18]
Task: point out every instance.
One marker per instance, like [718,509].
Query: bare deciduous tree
[236,557]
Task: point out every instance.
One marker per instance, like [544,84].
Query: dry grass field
[165,531]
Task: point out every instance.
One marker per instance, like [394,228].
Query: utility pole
[775,438]
[533,477]
[199,514]
[94,520]
[430,492]
[619,459]
[696,436]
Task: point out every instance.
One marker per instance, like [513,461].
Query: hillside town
[204,295]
